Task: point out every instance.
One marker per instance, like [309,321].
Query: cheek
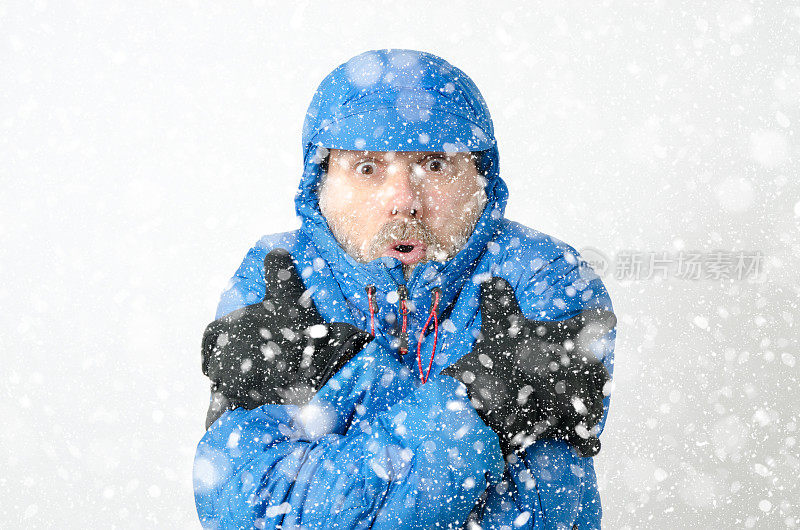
[433,199]
[348,196]
[356,211]
[341,201]
[443,203]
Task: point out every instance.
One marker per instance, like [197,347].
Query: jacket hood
[398,100]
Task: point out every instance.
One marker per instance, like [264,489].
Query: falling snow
[144,154]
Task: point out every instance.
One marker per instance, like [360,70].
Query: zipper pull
[370,298]
[402,292]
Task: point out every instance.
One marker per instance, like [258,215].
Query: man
[408,358]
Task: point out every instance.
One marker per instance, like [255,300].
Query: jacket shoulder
[547,272]
[247,284]
[270,242]
[526,251]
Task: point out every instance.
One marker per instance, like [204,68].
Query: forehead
[347,154]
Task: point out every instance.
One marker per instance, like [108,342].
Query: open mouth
[408,251]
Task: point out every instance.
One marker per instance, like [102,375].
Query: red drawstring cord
[370,294]
[424,378]
[402,291]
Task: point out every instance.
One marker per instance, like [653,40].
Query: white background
[145,147]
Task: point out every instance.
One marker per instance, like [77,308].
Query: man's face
[415,206]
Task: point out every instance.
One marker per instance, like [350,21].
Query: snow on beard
[342,226]
[397,230]
[436,250]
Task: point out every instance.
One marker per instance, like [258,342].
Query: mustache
[399,230]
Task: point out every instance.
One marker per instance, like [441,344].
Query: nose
[404,191]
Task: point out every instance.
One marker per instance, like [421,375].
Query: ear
[477,159]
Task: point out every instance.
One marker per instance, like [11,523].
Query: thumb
[280,275]
[583,328]
[499,307]
[285,292]
[346,342]
[210,337]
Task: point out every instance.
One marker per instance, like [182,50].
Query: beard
[343,226]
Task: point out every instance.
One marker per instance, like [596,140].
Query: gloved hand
[532,379]
[279,350]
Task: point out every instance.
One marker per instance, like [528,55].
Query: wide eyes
[366,168]
[434,165]
[430,165]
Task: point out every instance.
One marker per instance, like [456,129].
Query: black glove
[531,379]
[279,350]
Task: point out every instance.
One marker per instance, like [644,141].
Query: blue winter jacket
[375,448]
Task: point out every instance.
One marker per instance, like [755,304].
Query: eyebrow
[354,157]
[380,155]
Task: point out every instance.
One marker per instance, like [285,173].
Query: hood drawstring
[436,294]
[402,292]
